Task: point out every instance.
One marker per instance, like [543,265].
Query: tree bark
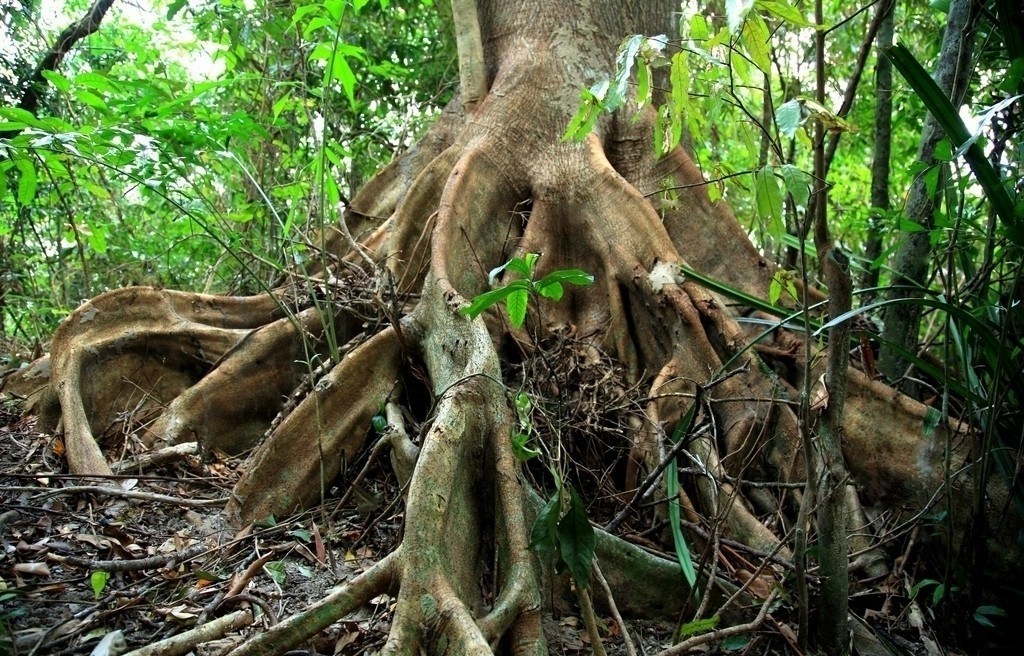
[882,142]
[910,264]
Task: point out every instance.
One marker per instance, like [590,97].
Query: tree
[375,327]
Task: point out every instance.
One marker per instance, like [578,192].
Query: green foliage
[946,115]
[98,582]
[516,294]
[204,163]
[521,438]
[567,536]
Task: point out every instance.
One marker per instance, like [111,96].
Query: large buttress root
[478,190]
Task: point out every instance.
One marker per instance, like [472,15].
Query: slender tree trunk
[910,264]
[883,148]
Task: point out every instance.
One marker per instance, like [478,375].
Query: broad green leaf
[679,107]
[520,448]
[91,99]
[20,115]
[775,288]
[784,11]
[27,182]
[97,240]
[552,290]
[516,303]
[96,81]
[544,535]
[98,581]
[643,84]
[59,82]
[789,116]
[798,184]
[768,198]
[699,28]
[576,541]
[582,123]
[303,11]
[342,72]
[755,38]
[487,299]
[174,8]
[931,421]
[276,571]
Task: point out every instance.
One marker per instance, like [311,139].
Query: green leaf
[91,99]
[276,571]
[582,123]
[931,421]
[488,299]
[27,182]
[798,184]
[576,541]
[699,28]
[755,38]
[58,81]
[544,535]
[697,627]
[303,534]
[175,7]
[775,288]
[785,12]
[790,116]
[97,240]
[552,290]
[520,449]
[98,581]
[515,304]
[96,81]
[643,84]
[982,614]
[768,198]
[570,276]
[341,72]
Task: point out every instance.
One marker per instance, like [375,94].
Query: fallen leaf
[33,569]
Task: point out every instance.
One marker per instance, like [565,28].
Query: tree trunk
[882,141]
[609,369]
[910,264]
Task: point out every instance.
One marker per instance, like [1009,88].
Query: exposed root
[327,429]
[296,629]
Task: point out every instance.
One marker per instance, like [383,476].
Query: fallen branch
[132,565]
[302,626]
[721,634]
[116,492]
[183,643]
[155,458]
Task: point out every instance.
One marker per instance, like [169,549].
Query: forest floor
[152,557]
[87,567]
